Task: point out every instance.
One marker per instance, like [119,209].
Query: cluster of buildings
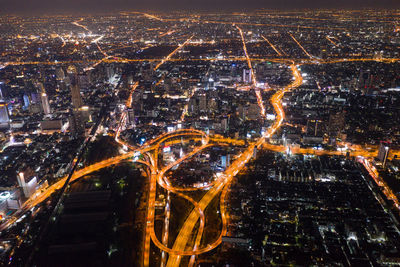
[306,210]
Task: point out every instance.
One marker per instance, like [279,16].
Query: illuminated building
[75,90]
[27,187]
[131,116]
[45,104]
[247,76]
[4,116]
[336,123]
[76,125]
[383,152]
[203,102]
[26,101]
[44,99]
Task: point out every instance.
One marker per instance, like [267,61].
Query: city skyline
[175,138]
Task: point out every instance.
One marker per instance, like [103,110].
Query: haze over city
[212,133]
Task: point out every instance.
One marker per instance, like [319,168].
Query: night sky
[89,6]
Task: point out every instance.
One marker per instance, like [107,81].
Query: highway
[222,185]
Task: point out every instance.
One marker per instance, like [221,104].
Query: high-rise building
[26,101]
[4,116]
[225,160]
[315,127]
[76,124]
[45,104]
[383,153]
[44,99]
[336,123]
[75,89]
[2,90]
[27,187]
[203,102]
[131,116]
[246,75]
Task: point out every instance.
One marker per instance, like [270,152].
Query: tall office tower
[314,127]
[45,103]
[76,124]
[27,187]
[131,116]
[4,116]
[246,76]
[2,87]
[75,90]
[26,100]
[336,123]
[44,99]
[383,153]
[203,102]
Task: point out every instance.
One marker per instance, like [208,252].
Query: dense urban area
[264,138]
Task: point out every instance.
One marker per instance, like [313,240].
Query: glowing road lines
[273,47]
[172,53]
[380,182]
[302,48]
[123,119]
[222,185]
[253,77]
[332,42]
[76,23]
[157,176]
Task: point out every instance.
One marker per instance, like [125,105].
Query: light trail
[273,47]
[253,77]
[172,53]
[302,48]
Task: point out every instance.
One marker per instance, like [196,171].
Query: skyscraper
[336,123]
[203,102]
[75,90]
[246,76]
[4,116]
[44,99]
[76,124]
[383,152]
[45,104]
